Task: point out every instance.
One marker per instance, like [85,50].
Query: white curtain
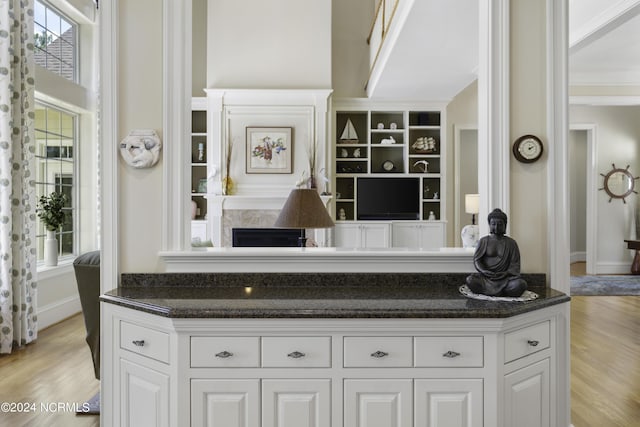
[18,320]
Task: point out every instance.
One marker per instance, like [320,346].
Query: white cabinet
[423,235]
[228,403]
[362,235]
[378,403]
[296,403]
[266,372]
[448,403]
[527,392]
[144,394]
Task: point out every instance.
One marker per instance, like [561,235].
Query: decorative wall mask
[141,148]
[619,183]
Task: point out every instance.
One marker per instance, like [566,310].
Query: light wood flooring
[55,368]
[605,368]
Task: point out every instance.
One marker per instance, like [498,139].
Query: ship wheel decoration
[619,183]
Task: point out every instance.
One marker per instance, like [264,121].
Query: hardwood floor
[56,368]
[605,368]
[605,359]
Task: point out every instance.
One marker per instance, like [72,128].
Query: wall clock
[528,148]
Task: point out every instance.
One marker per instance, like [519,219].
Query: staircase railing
[381,22]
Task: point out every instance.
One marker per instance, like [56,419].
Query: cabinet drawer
[225,352]
[296,352]
[144,341]
[391,352]
[525,341]
[449,352]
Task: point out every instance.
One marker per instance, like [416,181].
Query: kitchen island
[330,349]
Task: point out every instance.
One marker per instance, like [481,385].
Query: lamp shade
[472,203]
[304,209]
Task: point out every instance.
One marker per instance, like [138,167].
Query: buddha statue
[497,260]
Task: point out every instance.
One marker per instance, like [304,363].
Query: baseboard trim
[57,311]
[613,268]
[578,257]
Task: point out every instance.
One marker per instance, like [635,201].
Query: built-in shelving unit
[198,167]
[389,143]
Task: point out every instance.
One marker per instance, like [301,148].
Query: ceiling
[604,38]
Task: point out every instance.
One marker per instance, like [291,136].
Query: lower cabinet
[448,402]
[266,403]
[527,396]
[362,235]
[162,372]
[377,403]
[144,394]
[396,234]
[422,235]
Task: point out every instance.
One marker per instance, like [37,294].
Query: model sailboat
[349,135]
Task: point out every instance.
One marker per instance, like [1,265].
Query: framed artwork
[269,150]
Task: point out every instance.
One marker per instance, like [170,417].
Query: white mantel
[310,260]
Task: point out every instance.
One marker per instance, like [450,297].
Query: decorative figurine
[342,215]
[344,153]
[424,163]
[380,125]
[497,260]
[435,195]
[388,141]
[393,126]
[356,153]
[432,216]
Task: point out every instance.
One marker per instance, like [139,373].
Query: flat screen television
[388,198]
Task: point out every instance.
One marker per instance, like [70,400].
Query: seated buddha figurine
[497,260]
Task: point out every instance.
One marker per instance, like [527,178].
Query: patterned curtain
[18,320]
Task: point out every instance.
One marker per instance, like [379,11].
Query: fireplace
[266,237]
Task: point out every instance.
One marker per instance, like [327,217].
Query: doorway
[582,196]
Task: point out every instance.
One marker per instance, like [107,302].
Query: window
[55,41]
[55,132]
[66,122]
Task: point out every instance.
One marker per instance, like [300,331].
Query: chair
[87,271]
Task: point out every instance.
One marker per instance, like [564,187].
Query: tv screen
[388,198]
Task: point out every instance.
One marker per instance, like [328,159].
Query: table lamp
[470,233]
[303,209]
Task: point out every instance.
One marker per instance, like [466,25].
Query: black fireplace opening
[266,237]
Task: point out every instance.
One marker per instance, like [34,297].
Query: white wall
[618,142]
[350,52]
[140,107]
[578,145]
[462,111]
[269,44]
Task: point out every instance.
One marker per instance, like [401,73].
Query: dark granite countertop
[322,295]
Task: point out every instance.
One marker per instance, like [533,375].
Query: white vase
[51,249]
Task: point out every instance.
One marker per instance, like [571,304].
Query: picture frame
[269,149]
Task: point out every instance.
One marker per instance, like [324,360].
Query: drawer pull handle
[378,354]
[533,343]
[296,355]
[138,343]
[224,354]
[451,354]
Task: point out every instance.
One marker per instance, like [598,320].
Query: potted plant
[51,213]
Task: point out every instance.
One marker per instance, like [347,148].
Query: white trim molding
[558,187]
[108,228]
[55,312]
[493,108]
[177,41]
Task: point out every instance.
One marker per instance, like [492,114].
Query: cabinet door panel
[377,403]
[296,403]
[347,235]
[144,396]
[375,236]
[448,403]
[225,403]
[526,402]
